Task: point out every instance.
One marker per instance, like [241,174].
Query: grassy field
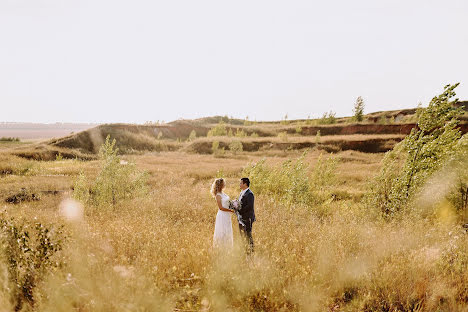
[154,252]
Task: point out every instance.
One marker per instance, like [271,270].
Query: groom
[246,212]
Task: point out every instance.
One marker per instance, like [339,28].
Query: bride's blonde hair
[217,186]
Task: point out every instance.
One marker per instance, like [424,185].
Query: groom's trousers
[246,233]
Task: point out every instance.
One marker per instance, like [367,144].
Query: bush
[283,136]
[236,146]
[240,133]
[298,129]
[30,253]
[317,137]
[328,118]
[217,151]
[117,180]
[291,182]
[218,130]
[459,195]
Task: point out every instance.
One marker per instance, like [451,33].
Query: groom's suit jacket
[247,211]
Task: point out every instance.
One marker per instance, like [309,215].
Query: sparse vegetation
[328,118]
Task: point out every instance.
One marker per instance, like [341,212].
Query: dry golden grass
[155,253]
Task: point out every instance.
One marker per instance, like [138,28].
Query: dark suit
[247,213]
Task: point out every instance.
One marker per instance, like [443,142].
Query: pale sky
[137,61]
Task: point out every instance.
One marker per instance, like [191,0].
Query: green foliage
[193,135]
[458,163]
[358,109]
[218,130]
[240,133]
[298,129]
[383,120]
[283,135]
[30,253]
[217,151]
[317,137]
[116,181]
[424,151]
[230,134]
[328,118]
[59,157]
[236,146]
[291,182]
[254,135]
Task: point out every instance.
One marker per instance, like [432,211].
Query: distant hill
[379,132]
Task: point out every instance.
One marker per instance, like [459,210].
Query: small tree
[358,109]
[116,181]
[193,135]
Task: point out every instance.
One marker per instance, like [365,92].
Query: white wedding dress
[223,227]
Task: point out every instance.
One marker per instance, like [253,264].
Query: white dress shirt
[242,193]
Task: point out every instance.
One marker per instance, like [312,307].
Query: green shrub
[240,133]
[458,163]
[236,146]
[291,182]
[254,135]
[317,137]
[328,118]
[298,129]
[283,136]
[30,252]
[217,151]
[116,181]
[218,130]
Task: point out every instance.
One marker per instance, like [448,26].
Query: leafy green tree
[358,109]
[425,150]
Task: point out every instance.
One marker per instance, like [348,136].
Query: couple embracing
[243,207]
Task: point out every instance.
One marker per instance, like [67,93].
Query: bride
[223,228]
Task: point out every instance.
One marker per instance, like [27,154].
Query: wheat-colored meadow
[154,253]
